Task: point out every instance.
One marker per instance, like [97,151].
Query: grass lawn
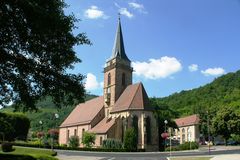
[36,153]
[191,158]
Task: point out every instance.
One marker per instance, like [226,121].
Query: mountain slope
[223,91]
[46,113]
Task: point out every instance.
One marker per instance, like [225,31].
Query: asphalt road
[83,155]
[111,155]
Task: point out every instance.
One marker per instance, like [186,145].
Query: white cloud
[92,83]
[193,67]
[94,13]
[137,6]
[124,11]
[157,68]
[213,71]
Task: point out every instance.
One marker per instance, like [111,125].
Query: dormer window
[123,79]
[109,79]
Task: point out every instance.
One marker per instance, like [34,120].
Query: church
[123,105]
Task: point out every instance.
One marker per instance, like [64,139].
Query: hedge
[14,126]
[64,147]
[112,144]
[184,146]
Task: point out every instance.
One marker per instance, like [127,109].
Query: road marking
[111,158]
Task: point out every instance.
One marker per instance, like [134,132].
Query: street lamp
[41,124]
[56,117]
[208,132]
[165,130]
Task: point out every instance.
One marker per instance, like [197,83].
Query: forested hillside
[223,91]
[46,113]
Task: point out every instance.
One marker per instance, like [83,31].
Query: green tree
[36,49]
[73,141]
[130,140]
[226,122]
[163,112]
[88,139]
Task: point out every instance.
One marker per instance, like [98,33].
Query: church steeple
[118,48]
[117,72]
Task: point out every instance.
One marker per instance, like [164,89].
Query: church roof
[118,49]
[187,121]
[134,97]
[84,113]
[103,126]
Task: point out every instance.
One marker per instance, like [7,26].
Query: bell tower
[117,72]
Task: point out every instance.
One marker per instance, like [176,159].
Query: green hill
[46,113]
[223,91]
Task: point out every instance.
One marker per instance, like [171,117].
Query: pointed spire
[118,48]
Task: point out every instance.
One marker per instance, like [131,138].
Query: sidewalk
[63,157]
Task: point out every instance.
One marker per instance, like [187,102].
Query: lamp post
[56,116]
[208,132]
[165,130]
[41,124]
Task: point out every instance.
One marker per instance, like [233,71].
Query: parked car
[232,142]
[219,143]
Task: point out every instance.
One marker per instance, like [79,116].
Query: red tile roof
[84,113]
[134,97]
[187,121]
[103,126]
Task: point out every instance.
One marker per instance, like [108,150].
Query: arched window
[189,135]
[183,135]
[101,141]
[75,132]
[83,130]
[135,125]
[123,79]
[109,79]
[68,134]
[148,130]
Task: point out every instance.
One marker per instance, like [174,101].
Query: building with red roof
[188,129]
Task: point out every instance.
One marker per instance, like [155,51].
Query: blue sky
[174,45]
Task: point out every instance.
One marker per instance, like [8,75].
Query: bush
[73,142]
[14,125]
[54,153]
[7,147]
[88,139]
[130,140]
[184,146]
[112,144]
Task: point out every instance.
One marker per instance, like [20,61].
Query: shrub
[73,142]
[130,140]
[184,146]
[88,139]
[54,153]
[112,144]
[14,125]
[40,134]
[7,147]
